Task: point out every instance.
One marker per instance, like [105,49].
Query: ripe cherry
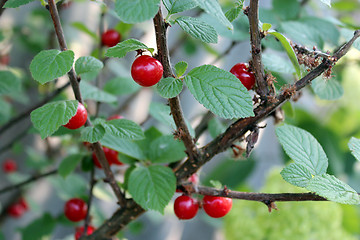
[185,207]
[241,71]
[110,38]
[75,209]
[116,116]
[9,166]
[146,71]
[23,203]
[111,156]
[79,119]
[216,207]
[80,230]
[16,210]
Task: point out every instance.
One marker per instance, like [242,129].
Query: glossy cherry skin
[216,207]
[75,209]
[146,71]
[185,207]
[111,156]
[110,38]
[80,230]
[116,116]
[79,119]
[241,71]
[9,166]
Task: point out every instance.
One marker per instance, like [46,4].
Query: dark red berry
[116,116]
[80,230]
[75,209]
[79,119]
[241,71]
[185,207]
[146,71]
[16,210]
[9,166]
[110,38]
[216,207]
[111,156]
[23,203]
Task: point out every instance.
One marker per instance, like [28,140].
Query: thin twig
[203,125]
[92,184]
[30,180]
[14,140]
[27,112]
[76,89]
[225,53]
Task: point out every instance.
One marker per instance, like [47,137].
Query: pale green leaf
[16,3]
[198,29]
[121,86]
[124,129]
[161,112]
[152,187]
[83,28]
[220,92]
[166,149]
[233,13]
[136,11]
[40,228]
[69,164]
[9,83]
[92,134]
[333,189]
[169,87]
[51,64]
[91,92]
[180,68]
[87,65]
[303,148]
[121,145]
[175,6]
[122,48]
[275,63]
[48,118]
[327,89]
[354,146]
[296,174]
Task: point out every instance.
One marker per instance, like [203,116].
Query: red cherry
[241,71]
[23,203]
[79,119]
[111,156]
[9,166]
[75,209]
[116,116]
[146,71]
[216,207]
[5,59]
[80,230]
[16,210]
[110,38]
[185,207]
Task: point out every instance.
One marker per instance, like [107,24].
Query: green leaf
[198,29]
[16,3]
[233,13]
[333,189]
[39,229]
[275,63]
[124,129]
[175,6]
[150,135]
[9,83]
[327,2]
[180,68]
[327,89]
[266,26]
[69,164]
[286,9]
[216,127]
[328,31]
[83,28]
[296,174]
[5,111]
[92,134]
[72,186]
[136,11]
[354,146]
[48,118]
[289,51]
[220,92]
[213,8]
[50,64]
[122,48]
[303,148]
[169,87]
[166,149]
[152,187]
[121,145]
[161,113]
[91,92]
[121,86]
[88,65]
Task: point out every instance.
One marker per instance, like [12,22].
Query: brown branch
[2,3]
[255,41]
[240,127]
[27,112]
[30,180]
[203,125]
[89,203]
[176,111]
[76,89]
